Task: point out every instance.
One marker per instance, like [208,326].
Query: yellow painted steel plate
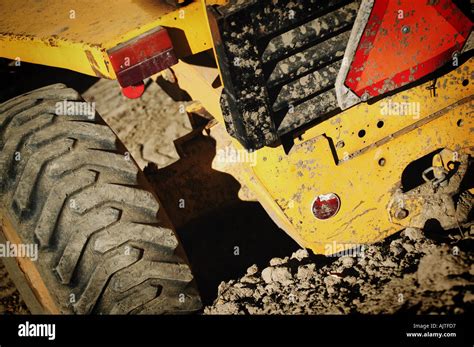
[76,34]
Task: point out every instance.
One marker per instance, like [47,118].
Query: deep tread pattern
[55,91]
[177,300]
[12,149]
[93,158]
[114,262]
[146,269]
[33,170]
[67,185]
[122,233]
[47,107]
[97,136]
[112,193]
[79,236]
[56,200]
[123,301]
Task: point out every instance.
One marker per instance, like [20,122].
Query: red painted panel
[395,51]
[142,57]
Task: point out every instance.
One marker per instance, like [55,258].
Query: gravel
[10,300]
[409,272]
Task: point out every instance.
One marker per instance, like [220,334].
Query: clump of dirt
[409,272]
[10,300]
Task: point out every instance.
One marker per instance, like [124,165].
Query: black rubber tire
[69,186]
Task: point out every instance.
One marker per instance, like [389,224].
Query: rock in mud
[408,272]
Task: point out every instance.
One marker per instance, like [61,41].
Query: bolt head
[364,97]
[401,213]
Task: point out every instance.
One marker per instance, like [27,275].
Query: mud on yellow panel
[360,155]
[76,34]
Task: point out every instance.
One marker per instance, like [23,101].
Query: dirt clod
[407,273]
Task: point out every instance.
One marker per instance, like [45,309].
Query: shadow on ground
[222,245]
[221,234]
[17,80]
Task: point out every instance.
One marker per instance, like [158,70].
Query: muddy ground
[413,271]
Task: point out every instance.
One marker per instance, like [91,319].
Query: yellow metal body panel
[353,172]
[76,34]
[197,81]
[287,184]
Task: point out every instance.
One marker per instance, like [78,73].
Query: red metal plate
[145,55]
[403,41]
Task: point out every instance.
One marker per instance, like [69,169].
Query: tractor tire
[69,189]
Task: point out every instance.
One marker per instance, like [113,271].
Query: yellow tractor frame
[359,154]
